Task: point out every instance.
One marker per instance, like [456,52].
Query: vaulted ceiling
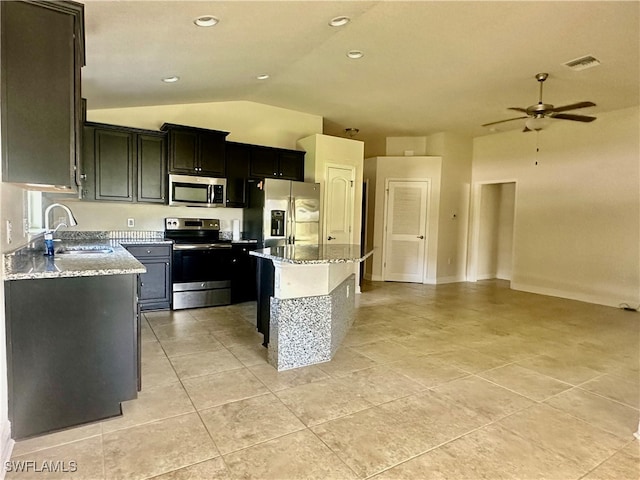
[427,67]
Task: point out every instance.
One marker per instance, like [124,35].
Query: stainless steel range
[201,263]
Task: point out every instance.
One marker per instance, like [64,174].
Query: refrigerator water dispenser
[277,223]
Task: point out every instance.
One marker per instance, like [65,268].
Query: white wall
[113,215]
[495,240]
[326,149]
[506,218]
[577,213]
[420,167]
[406,146]
[246,122]
[457,153]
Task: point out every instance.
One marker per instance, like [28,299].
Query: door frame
[325,199]
[473,246]
[427,228]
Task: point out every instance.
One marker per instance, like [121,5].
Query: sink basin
[88,250]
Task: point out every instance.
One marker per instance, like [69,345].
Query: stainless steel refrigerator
[282,212]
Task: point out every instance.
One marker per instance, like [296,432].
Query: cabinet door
[243,278]
[38,95]
[291,165]
[152,169]
[237,160]
[155,284]
[114,157]
[264,162]
[183,152]
[88,161]
[211,154]
[71,342]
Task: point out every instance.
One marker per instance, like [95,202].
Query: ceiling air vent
[582,63]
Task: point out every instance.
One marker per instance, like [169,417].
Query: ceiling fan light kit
[538,115]
[537,123]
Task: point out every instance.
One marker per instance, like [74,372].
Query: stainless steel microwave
[190,191]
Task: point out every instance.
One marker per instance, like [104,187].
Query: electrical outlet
[25,226]
[348,290]
[9,231]
[131,222]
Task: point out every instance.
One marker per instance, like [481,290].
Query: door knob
[421,237]
[331,238]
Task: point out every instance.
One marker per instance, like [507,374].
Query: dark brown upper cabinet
[238,156]
[269,162]
[196,151]
[124,164]
[42,49]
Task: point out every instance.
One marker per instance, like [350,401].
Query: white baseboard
[486,276]
[6,446]
[450,279]
[581,297]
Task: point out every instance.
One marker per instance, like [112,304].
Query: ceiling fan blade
[502,121]
[569,116]
[518,109]
[573,106]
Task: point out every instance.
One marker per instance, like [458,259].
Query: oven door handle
[202,246]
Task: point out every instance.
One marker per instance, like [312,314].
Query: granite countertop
[31,263]
[313,254]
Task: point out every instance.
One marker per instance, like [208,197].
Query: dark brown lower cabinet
[155,284]
[265,287]
[71,350]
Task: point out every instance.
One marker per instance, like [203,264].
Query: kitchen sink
[85,250]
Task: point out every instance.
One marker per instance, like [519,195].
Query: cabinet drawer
[140,251]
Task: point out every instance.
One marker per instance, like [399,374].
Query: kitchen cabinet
[155,284]
[269,162]
[71,350]
[237,158]
[243,274]
[124,164]
[196,151]
[42,49]
[265,289]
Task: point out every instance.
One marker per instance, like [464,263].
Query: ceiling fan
[537,115]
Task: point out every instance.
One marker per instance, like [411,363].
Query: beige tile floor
[460,381]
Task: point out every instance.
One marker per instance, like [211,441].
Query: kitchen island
[306,300]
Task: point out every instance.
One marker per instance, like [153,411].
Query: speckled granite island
[306,301]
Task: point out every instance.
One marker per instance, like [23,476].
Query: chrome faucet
[72,220]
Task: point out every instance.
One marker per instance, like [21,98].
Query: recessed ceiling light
[206,21]
[355,54]
[173,79]
[340,21]
[263,76]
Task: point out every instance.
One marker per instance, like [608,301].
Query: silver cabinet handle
[421,237]
[331,238]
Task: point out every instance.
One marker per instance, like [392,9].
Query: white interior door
[406,231]
[338,207]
